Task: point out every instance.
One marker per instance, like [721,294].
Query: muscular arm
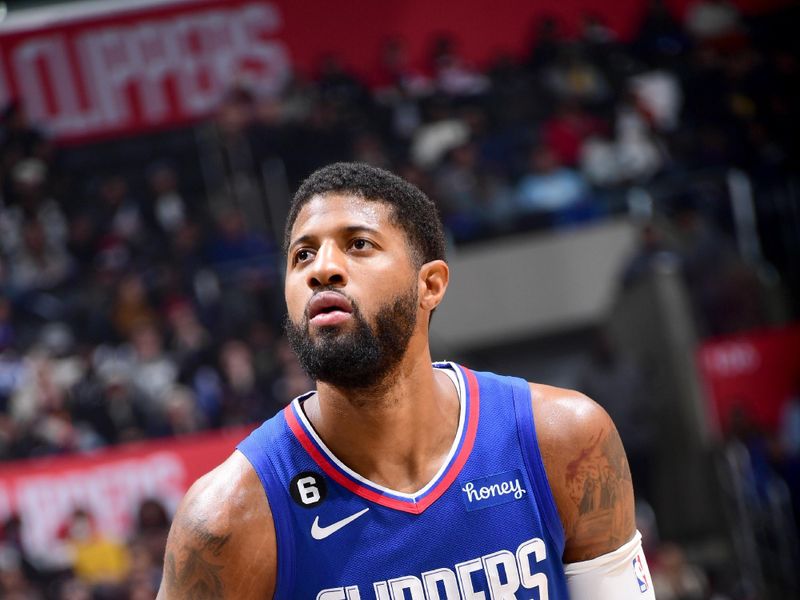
[222,540]
[587,470]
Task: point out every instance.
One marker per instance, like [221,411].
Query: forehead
[341,210]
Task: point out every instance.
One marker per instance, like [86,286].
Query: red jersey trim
[412,506]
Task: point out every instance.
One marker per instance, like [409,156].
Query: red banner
[755,373]
[110,485]
[131,69]
[86,71]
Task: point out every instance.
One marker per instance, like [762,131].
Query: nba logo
[638,568]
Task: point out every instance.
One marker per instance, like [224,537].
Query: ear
[433,279]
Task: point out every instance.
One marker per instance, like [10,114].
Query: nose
[328,267]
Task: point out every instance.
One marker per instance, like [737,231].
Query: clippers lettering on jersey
[498,575]
[641,577]
[493,490]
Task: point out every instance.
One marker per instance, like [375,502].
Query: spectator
[338,86]
[235,114]
[181,414]
[188,258]
[39,404]
[18,140]
[13,549]
[659,34]
[117,213]
[97,559]
[131,307]
[548,40]
[514,98]
[127,407]
[191,342]
[639,153]
[38,266]
[152,527]
[566,131]
[74,589]
[395,76]
[30,202]
[239,255]
[13,583]
[94,403]
[596,36]
[709,20]
[472,199]
[145,572]
[245,399]
[368,148]
[658,95]
[82,238]
[153,371]
[550,187]
[573,77]
[244,263]
[442,132]
[457,184]
[452,75]
[167,211]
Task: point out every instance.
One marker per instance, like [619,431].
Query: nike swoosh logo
[320,533]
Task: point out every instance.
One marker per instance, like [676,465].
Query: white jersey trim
[455,374]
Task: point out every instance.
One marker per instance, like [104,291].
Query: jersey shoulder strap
[526,429]
[258,447]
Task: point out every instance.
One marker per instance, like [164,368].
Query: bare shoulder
[222,541]
[587,470]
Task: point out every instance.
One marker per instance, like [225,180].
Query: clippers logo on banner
[141,68]
[109,485]
[752,375]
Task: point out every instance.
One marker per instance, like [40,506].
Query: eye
[302,255]
[361,244]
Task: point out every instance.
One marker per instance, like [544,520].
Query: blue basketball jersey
[486,527]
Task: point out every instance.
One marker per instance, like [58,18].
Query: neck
[396,434]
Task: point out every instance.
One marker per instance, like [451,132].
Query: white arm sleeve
[618,575]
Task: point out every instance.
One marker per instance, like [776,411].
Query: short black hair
[413,211]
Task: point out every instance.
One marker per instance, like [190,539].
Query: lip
[329,308]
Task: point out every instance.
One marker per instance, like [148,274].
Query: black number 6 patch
[308,489]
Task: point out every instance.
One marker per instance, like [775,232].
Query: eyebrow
[350,229]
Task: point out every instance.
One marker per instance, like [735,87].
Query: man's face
[351,291]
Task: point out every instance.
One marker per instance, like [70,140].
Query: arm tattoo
[198,574]
[597,480]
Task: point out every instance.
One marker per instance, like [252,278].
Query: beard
[360,358]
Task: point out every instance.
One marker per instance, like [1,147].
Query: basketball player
[398,478]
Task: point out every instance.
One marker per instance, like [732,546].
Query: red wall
[482,27]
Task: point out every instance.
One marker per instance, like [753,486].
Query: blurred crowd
[142,306]
[123,318]
[555,138]
[97,566]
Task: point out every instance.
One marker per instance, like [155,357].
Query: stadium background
[621,194]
